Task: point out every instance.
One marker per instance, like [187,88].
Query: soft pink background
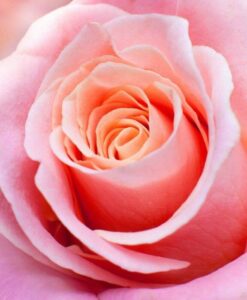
[17,15]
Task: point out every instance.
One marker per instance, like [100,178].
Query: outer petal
[139,6]
[45,36]
[221,25]
[217,234]
[23,278]
[16,16]
[10,229]
[227,283]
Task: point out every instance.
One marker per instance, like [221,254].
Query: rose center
[111,117]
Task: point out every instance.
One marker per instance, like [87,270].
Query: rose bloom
[123,153]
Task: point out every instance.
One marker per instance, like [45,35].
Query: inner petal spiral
[113,126]
[117,115]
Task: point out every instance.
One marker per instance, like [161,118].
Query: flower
[121,135]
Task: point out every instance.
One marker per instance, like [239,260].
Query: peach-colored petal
[125,185]
[72,130]
[117,118]
[94,88]
[120,99]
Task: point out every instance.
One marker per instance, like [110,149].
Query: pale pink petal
[16,16]
[91,42]
[51,85]
[45,36]
[139,6]
[21,278]
[229,17]
[11,230]
[229,282]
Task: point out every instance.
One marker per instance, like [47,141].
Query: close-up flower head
[123,150]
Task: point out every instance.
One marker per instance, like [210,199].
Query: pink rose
[123,153]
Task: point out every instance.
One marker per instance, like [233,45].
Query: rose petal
[138,6]
[91,42]
[217,234]
[10,229]
[24,278]
[127,259]
[45,37]
[212,286]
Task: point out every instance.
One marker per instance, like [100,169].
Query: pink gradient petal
[127,259]
[226,283]
[91,42]
[217,234]
[21,277]
[11,230]
[45,37]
